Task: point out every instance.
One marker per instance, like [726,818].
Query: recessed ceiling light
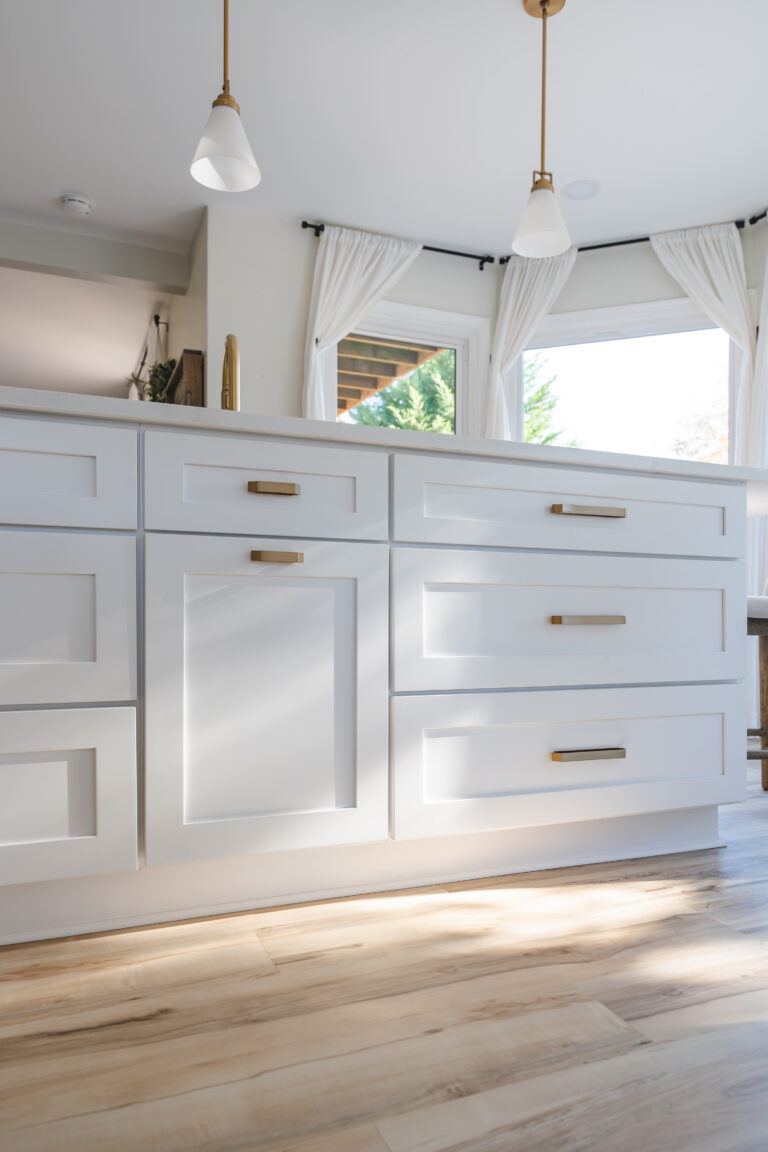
[76,205]
[581,189]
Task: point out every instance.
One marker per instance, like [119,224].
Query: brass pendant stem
[225,97]
[544,15]
[225,88]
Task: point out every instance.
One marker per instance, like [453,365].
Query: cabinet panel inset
[67,793]
[47,795]
[281,656]
[266,696]
[67,617]
[47,618]
[211,484]
[47,473]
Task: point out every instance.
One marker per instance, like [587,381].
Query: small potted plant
[156,384]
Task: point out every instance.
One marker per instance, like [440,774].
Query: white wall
[71,335]
[187,315]
[252,275]
[259,280]
[67,251]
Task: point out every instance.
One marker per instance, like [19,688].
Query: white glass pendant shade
[541,231]
[224,159]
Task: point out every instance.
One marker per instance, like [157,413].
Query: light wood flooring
[612,1008]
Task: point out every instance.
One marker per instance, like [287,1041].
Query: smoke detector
[75,205]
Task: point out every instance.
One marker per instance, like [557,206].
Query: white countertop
[70,404]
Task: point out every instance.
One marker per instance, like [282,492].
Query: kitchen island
[250,660]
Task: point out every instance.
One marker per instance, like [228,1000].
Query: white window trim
[469,335]
[624,322]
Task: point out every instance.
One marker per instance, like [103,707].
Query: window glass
[651,395]
[396,383]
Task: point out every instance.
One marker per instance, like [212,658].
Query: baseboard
[101,903]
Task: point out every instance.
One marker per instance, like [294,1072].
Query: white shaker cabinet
[266,689]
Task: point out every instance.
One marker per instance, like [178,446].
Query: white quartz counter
[106,408]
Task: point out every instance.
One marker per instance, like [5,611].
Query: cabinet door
[67,618]
[469,620]
[67,793]
[266,696]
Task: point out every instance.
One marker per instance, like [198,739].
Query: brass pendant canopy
[533,7]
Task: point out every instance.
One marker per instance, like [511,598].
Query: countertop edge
[107,408]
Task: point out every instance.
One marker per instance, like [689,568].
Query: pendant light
[224,159]
[542,231]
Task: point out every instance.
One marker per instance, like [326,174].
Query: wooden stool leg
[763,674]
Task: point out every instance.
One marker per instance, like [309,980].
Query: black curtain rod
[644,239]
[481,260]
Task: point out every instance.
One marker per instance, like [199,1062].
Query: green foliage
[539,403]
[159,375]
[423,401]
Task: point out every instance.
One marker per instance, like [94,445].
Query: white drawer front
[476,762]
[485,620]
[67,618]
[510,505]
[200,484]
[67,793]
[68,475]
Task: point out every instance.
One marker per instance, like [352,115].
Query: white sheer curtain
[708,264]
[528,291]
[352,272]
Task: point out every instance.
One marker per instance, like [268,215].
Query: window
[394,383]
[414,368]
[654,380]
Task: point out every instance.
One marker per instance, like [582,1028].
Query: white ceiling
[414,117]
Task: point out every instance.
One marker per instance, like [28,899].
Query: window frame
[469,335]
[624,322]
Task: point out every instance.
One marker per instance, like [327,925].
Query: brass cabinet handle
[278,557]
[588,510]
[274,488]
[566,756]
[588,619]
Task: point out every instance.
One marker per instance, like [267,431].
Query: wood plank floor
[612,1008]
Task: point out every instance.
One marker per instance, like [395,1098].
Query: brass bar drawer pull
[588,510]
[278,557]
[588,619]
[274,488]
[566,757]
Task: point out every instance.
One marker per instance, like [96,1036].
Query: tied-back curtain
[528,291]
[708,264]
[353,271]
